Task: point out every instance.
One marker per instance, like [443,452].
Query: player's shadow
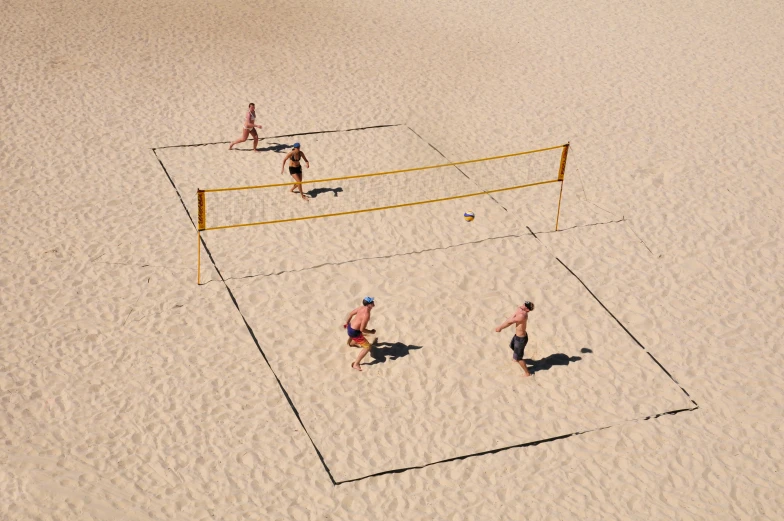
[555,359]
[318,191]
[273,147]
[382,351]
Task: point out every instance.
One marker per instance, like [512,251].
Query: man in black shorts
[520,339]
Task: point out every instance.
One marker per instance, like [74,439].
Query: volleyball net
[236,207]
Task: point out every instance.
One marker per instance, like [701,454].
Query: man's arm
[508,322]
[364,324]
[348,317]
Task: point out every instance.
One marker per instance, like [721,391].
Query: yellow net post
[561,172]
[202,224]
[562,169]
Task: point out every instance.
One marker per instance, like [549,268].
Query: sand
[129,392]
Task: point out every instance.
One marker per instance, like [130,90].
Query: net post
[202,218]
[558,215]
[562,169]
[561,172]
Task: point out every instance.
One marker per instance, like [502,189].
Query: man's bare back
[359,318]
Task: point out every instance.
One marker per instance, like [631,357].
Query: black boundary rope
[284,135]
[179,196]
[377,257]
[447,460]
[517,446]
[404,254]
[563,436]
[280,384]
[639,344]
[630,334]
[249,328]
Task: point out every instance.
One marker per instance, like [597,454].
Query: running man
[520,338]
[356,326]
[295,156]
[249,127]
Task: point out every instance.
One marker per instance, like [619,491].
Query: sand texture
[127,391]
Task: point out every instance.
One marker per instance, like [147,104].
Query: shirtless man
[520,339]
[356,326]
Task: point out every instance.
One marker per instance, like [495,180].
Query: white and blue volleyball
[468,216]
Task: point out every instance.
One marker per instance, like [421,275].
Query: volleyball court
[440,383]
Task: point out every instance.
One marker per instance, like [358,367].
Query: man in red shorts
[356,326]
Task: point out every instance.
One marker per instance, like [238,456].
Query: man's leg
[355,365]
[370,336]
[519,353]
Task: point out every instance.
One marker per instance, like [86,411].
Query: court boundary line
[309,133]
[412,252]
[454,458]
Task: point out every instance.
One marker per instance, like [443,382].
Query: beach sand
[127,391]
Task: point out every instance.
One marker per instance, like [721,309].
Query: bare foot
[231,147]
[355,365]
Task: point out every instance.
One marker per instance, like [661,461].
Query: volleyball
[468,216]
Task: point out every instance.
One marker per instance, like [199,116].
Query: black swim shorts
[295,170]
[517,345]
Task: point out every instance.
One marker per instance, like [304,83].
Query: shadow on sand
[273,147]
[392,350]
[318,191]
[548,362]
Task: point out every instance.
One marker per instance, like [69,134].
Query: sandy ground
[129,392]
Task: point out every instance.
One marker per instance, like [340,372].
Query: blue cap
[295,145]
[367,301]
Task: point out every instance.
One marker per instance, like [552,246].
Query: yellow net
[233,207]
